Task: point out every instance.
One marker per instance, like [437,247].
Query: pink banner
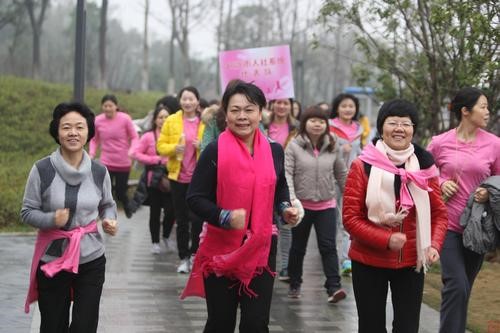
[269,68]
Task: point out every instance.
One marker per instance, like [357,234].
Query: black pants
[159,200]
[370,286]
[222,301]
[54,298]
[119,182]
[185,219]
[325,224]
[459,268]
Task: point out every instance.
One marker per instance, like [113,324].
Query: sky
[131,14]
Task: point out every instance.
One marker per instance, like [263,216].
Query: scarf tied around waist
[69,261]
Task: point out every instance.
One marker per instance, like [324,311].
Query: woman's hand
[291,215]
[347,148]
[179,149]
[448,189]
[61,217]
[196,143]
[110,226]
[432,255]
[481,195]
[237,220]
[397,241]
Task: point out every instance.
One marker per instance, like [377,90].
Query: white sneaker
[169,246]
[156,249]
[184,266]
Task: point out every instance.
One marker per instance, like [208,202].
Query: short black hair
[109,97]
[64,108]
[338,99]
[466,97]
[397,108]
[169,102]
[250,90]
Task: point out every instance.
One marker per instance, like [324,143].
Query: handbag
[159,179]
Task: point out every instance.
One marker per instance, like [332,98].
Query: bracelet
[225,218]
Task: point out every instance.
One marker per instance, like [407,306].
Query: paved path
[141,291]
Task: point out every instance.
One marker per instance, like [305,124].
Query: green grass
[484,304]
[26,110]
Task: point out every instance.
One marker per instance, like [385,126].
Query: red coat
[370,242]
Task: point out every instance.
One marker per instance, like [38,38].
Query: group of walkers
[245,178]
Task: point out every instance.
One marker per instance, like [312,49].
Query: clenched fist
[237,220]
[110,226]
[61,217]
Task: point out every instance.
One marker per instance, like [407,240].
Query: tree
[36,28]
[9,12]
[426,50]
[102,45]
[145,50]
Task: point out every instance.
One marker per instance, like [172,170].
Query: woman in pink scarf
[238,181]
[397,221]
[344,124]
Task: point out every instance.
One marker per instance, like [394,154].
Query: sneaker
[168,245]
[294,292]
[337,296]
[283,275]
[183,267]
[156,249]
[346,267]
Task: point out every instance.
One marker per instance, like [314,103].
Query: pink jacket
[144,151]
[115,137]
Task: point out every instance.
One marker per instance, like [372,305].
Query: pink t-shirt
[278,133]
[468,163]
[319,205]
[115,136]
[189,159]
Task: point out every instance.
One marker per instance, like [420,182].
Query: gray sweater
[77,190]
[310,177]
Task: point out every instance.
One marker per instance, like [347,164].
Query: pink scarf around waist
[243,181]
[69,261]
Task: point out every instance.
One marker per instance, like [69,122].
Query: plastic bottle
[182,142]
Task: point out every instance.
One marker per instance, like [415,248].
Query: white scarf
[381,200]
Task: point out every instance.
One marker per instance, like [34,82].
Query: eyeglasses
[404,124]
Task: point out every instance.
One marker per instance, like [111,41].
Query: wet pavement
[141,291]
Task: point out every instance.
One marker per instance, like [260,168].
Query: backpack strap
[47,173]
[98,173]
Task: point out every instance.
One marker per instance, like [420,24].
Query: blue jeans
[325,225]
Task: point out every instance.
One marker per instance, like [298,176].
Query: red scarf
[243,181]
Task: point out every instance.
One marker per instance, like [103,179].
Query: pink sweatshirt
[468,163]
[115,136]
[144,151]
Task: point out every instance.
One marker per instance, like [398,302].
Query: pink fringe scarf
[245,182]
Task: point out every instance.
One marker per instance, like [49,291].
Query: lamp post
[79,73]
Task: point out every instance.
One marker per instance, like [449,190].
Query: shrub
[26,108]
